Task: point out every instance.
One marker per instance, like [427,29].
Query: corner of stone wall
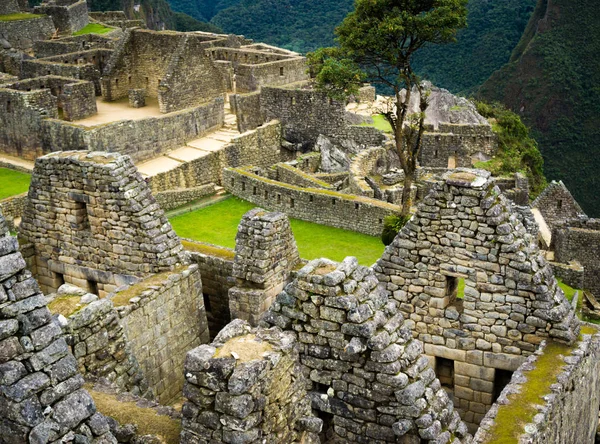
[247,387]
[265,254]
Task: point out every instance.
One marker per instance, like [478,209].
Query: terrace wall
[68,18]
[22,34]
[12,208]
[325,207]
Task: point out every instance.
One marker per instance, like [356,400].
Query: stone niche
[93,222]
[474,288]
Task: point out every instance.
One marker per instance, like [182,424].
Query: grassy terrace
[13,183]
[94,28]
[380,123]
[18,16]
[217,224]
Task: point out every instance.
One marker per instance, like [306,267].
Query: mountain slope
[553,81]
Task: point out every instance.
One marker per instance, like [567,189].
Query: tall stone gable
[93,221]
[465,230]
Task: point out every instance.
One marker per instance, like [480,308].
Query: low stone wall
[12,208]
[261,147]
[281,72]
[325,207]
[162,322]
[253,394]
[293,176]
[171,199]
[141,139]
[216,268]
[572,274]
[101,348]
[569,412]
[22,34]
[246,107]
[67,18]
[73,44]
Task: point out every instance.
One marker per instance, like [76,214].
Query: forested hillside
[553,81]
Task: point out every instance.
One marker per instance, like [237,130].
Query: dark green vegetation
[217,224]
[518,151]
[13,183]
[552,82]
[186,23]
[94,28]
[377,42]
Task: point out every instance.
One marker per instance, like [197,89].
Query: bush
[391,226]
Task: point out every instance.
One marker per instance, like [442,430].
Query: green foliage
[185,23]
[517,151]
[13,182]
[217,224]
[552,82]
[391,226]
[94,28]
[335,74]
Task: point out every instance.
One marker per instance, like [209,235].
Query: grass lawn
[18,16]
[13,182]
[380,123]
[94,28]
[217,224]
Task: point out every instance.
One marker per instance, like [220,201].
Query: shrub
[391,226]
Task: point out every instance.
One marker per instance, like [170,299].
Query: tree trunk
[409,178]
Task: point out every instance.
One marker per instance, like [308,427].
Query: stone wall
[216,268]
[368,376]
[171,199]
[571,274]
[9,7]
[247,387]
[453,146]
[569,412]
[21,34]
[261,147]
[305,114]
[101,348]
[293,176]
[246,108]
[68,18]
[76,99]
[282,72]
[325,207]
[265,255]
[191,78]
[580,241]
[557,205]
[466,231]
[364,165]
[78,203]
[116,18]
[20,121]
[72,44]
[13,208]
[141,139]
[163,318]
[43,399]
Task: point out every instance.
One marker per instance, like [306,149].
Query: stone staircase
[194,149]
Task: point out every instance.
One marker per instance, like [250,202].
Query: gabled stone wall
[465,230]
[94,223]
[557,205]
[68,17]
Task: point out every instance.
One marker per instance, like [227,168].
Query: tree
[377,42]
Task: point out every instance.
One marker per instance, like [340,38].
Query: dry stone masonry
[41,394]
[465,234]
[265,254]
[247,387]
[368,375]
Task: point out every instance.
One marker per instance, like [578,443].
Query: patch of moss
[122,298]
[66,305]
[211,250]
[467,177]
[148,421]
[18,17]
[512,417]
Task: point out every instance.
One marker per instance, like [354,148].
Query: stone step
[187,154]
[208,143]
[157,165]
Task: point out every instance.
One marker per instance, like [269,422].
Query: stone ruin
[42,398]
[465,232]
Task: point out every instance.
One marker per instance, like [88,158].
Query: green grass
[18,16]
[568,291]
[460,291]
[217,224]
[13,182]
[380,123]
[94,28]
